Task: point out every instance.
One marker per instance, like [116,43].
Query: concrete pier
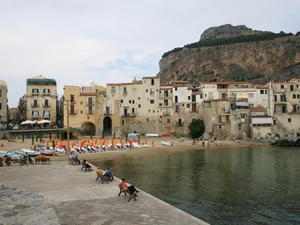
[65,195]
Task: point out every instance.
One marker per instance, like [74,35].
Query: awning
[242,104]
[262,120]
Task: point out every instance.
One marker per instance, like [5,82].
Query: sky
[77,42]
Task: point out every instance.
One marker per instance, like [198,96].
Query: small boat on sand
[166,143]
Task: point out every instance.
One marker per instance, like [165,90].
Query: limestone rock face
[258,61]
[227,31]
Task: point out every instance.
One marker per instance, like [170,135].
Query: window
[147,120]
[282,98]
[107,110]
[153,111]
[35,104]
[112,90]
[274,122]
[176,99]
[168,121]
[121,100]
[146,90]
[72,98]
[193,98]
[166,94]
[243,116]
[188,105]
[201,96]
[152,81]
[175,88]
[266,91]
[291,87]
[298,96]
[151,101]
[165,102]
[289,120]
[261,92]
[189,97]
[46,102]
[129,101]
[124,91]
[282,86]
[294,95]
[132,110]
[139,105]
[123,122]
[283,109]
[251,95]
[132,101]
[275,98]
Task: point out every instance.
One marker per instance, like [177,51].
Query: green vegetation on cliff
[226,41]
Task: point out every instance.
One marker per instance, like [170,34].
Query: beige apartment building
[87,109]
[41,99]
[3,104]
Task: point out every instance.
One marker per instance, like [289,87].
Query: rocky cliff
[230,53]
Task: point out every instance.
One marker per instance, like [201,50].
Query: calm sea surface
[257,185]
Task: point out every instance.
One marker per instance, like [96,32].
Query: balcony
[46,106]
[163,95]
[90,104]
[166,113]
[107,112]
[35,93]
[72,112]
[89,111]
[46,93]
[129,115]
[35,105]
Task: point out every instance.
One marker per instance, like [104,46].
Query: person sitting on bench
[85,166]
[123,185]
[108,172]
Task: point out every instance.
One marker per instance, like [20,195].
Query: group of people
[107,173]
[23,160]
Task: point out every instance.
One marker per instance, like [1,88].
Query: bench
[102,178]
[132,194]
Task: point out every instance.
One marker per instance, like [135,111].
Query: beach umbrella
[26,122]
[132,135]
[43,121]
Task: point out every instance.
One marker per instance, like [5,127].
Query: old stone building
[85,108]
[41,98]
[229,109]
[3,105]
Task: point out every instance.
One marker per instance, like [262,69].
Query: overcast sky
[80,41]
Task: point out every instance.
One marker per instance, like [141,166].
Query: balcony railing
[166,113]
[72,112]
[163,95]
[46,93]
[107,112]
[35,93]
[90,111]
[46,106]
[35,105]
[129,115]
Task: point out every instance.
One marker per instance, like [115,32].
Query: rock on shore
[20,207]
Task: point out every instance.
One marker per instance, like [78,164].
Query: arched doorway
[88,129]
[107,124]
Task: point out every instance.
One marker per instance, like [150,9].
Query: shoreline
[179,145]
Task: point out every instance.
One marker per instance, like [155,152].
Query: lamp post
[68,124]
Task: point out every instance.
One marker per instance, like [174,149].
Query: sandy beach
[179,145]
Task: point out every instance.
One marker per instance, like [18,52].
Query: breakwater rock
[20,207]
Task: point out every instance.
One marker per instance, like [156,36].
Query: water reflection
[247,186]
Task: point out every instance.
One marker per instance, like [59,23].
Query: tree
[196,128]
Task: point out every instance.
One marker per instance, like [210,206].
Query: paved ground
[64,195]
